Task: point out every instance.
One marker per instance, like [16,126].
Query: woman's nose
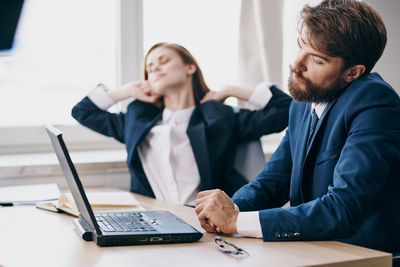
[154,68]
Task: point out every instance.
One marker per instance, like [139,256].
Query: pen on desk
[6,204]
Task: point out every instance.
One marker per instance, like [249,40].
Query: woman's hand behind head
[226,91]
[213,95]
[142,90]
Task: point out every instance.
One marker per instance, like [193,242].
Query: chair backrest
[249,159]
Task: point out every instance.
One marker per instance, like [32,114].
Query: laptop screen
[10,11]
[71,176]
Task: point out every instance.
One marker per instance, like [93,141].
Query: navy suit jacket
[214,131]
[346,185]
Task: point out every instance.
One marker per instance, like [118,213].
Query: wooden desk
[34,237]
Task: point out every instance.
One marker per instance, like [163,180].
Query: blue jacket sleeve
[360,175]
[103,122]
[273,118]
[270,188]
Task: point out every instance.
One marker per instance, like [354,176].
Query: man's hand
[216,212]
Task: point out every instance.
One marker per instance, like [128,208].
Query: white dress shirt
[165,152]
[248,223]
[168,160]
[319,108]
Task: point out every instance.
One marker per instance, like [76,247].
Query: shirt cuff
[100,98]
[261,96]
[248,224]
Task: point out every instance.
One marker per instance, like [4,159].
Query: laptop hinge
[83,229]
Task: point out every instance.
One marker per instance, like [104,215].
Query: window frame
[129,45]
[129,55]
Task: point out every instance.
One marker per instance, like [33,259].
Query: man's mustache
[299,73]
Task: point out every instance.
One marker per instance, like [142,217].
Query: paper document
[29,194]
[99,201]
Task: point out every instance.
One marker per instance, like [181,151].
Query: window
[61,50]
[209,29]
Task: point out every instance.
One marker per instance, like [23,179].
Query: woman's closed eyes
[161,61]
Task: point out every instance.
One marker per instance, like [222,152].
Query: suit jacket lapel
[296,196]
[302,152]
[142,127]
[197,136]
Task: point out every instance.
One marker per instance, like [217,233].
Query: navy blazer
[214,131]
[346,185]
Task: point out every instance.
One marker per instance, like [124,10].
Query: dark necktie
[313,124]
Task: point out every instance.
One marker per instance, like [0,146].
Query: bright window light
[61,50]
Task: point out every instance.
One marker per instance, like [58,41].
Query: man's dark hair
[349,29]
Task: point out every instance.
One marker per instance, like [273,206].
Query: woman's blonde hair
[200,87]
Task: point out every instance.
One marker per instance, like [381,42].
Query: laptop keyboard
[123,222]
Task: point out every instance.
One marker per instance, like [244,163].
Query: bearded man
[339,162]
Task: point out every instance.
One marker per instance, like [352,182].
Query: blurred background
[62,49]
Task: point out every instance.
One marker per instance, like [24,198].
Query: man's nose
[299,63]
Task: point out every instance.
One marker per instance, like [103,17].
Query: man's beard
[312,92]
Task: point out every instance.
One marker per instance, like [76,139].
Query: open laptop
[118,228]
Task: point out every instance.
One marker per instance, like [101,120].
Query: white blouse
[168,160]
[166,154]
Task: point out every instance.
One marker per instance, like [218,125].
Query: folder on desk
[99,201]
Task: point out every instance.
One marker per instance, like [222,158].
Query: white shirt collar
[178,116]
[319,108]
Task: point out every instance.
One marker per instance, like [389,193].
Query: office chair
[396,260]
[249,159]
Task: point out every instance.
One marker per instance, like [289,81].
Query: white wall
[388,65]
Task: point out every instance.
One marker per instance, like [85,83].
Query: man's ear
[353,73]
[191,69]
